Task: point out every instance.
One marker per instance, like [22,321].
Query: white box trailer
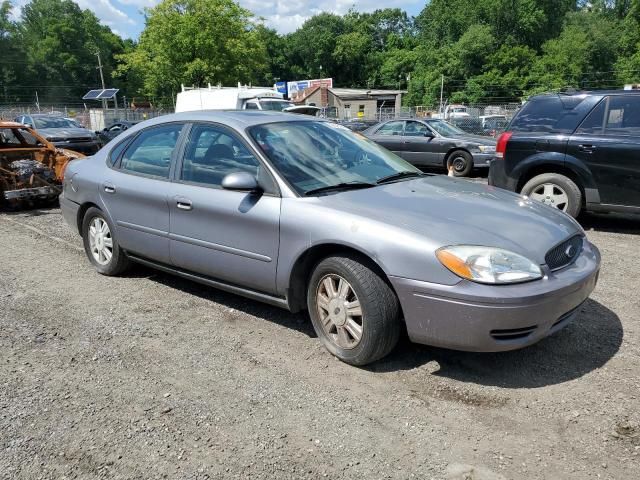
[240,98]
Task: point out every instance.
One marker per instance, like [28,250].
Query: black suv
[574,151]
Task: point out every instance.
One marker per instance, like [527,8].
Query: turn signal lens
[488,264]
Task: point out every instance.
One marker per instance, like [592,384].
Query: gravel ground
[150,376]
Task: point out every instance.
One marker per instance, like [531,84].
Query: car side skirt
[211,282]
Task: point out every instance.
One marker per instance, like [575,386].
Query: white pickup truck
[240,98]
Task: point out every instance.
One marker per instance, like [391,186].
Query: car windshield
[53,122]
[445,128]
[278,105]
[312,155]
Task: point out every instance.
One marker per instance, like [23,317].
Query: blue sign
[281,87]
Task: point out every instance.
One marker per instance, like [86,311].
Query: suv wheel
[556,191]
[100,245]
[354,311]
[462,163]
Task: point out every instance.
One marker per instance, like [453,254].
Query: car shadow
[34,211]
[584,345]
[279,316]
[611,222]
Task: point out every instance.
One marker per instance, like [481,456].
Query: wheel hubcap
[459,164]
[339,311]
[551,194]
[100,241]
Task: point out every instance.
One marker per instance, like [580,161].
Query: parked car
[62,132]
[302,213]
[471,125]
[575,151]
[494,125]
[358,124]
[112,131]
[434,142]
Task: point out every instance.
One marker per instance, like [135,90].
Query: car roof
[579,93]
[234,118]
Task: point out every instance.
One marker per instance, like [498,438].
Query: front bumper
[482,160]
[488,318]
[88,148]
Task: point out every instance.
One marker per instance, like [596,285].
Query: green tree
[195,42]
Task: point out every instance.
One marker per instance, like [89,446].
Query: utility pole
[104,103]
[441,93]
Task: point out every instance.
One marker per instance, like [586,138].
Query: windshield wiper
[398,176]
[340,186]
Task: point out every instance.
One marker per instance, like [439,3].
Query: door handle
[184,204]
[109,187]
[586,148]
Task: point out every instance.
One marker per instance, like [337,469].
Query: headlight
[487,148]
[488,264]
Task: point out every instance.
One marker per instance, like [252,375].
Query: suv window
[151,152]
[623,115]
[554,113]
[212,153]
[391,128]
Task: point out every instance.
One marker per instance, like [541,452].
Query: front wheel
[101,247]
[556,191]
[461,162]
[354,311]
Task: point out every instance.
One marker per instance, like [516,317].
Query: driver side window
[151,152]
[415,129]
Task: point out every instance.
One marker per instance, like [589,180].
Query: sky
[125,17]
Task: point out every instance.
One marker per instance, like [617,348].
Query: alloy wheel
[552,195]
[339,311]
[100,241]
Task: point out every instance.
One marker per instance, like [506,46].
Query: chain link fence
[91,118]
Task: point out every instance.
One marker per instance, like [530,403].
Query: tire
[112,265]
[379,318]
[462,163]
[549,189]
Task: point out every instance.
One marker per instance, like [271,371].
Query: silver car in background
[304,214]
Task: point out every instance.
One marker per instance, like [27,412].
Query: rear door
[391,136]
[135,191]
[608,142]
[420,145]
[228,235]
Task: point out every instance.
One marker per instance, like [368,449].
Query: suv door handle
[586,148]
[184,204]
[109,187]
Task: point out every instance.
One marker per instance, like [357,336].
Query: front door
[608,142]
[390,136]
[420,145]
[227,235]
[134,192]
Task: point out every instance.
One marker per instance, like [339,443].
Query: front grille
[80,139]
[565,253]
[513,333]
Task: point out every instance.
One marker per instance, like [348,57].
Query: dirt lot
[150,376]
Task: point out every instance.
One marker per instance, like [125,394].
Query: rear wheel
[354,311]
[556,191]
[101,246]
[462,163]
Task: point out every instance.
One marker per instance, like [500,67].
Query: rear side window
[391,128]
[549,114]
[151,152]
[623,116]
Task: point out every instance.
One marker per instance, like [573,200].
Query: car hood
[70,132]
[450,211]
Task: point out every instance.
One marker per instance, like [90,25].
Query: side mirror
[428,134]
[241,182]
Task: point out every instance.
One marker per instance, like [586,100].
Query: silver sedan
[306,215]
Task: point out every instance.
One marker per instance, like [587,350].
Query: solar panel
[108,94]
[92,94]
